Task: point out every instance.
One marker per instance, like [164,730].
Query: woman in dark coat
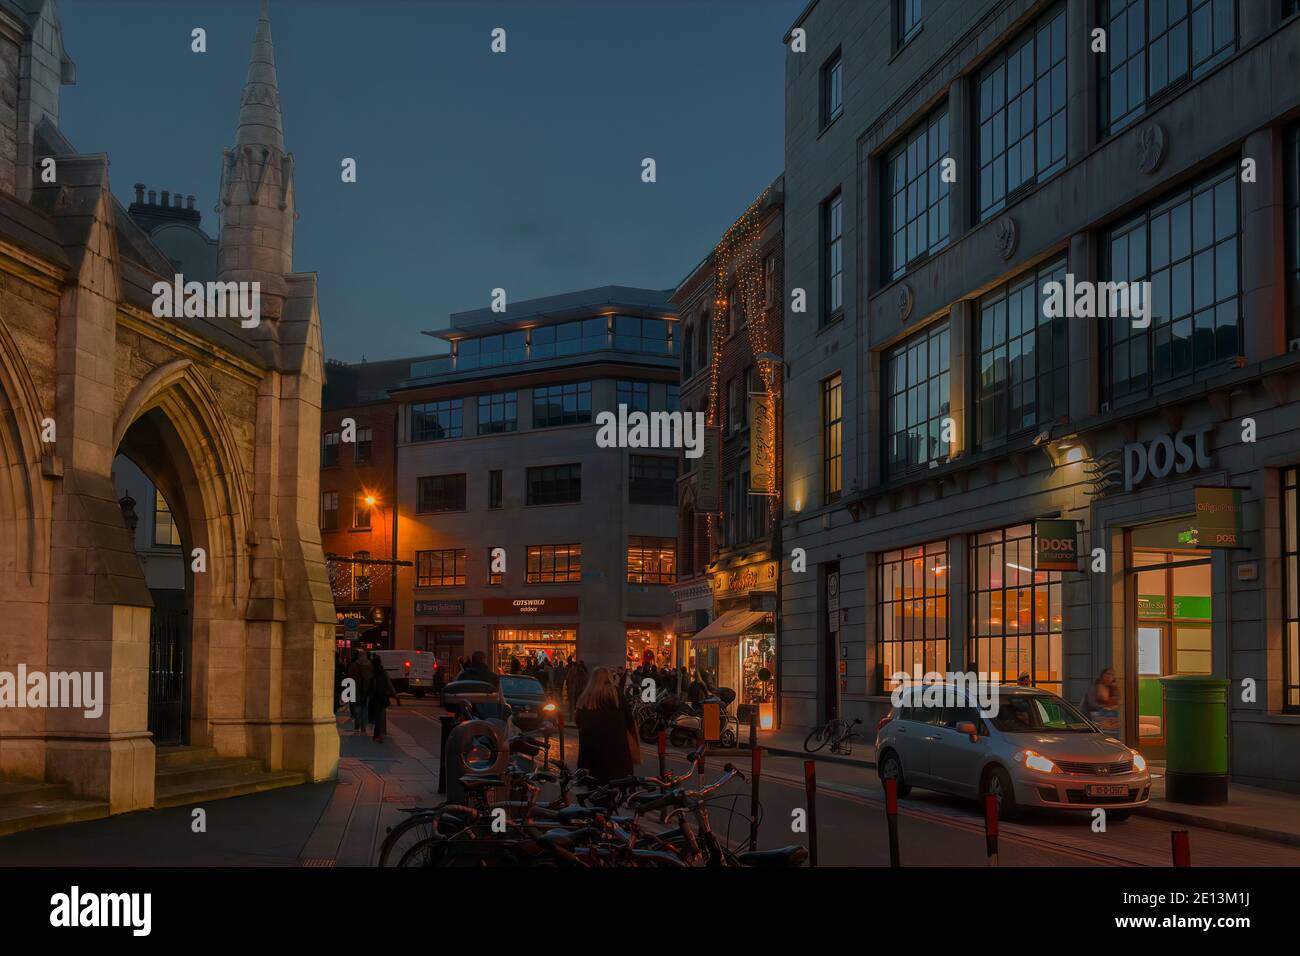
[604,721]
[381,690]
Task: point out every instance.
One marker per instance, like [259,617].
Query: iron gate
[168,677]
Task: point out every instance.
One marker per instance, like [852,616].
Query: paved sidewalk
[788,742]
[1250,811]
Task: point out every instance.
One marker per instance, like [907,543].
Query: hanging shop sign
[440,608]
[513,607]
[362,615]
[1218,517]
[708,490]
[762,445]
[1057,545]
[1178,454]
[753,577]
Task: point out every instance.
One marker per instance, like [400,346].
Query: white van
[410,671]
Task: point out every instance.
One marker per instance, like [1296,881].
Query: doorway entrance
[1170,608]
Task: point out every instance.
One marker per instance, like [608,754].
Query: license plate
[1106,790]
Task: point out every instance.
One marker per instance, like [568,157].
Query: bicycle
[836,732]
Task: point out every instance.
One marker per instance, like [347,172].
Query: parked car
[412,672]
[530,706]
[1035,750]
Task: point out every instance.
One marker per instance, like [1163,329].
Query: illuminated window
[554,563]
[164,525]
[440,569]
[832,438]
[1291,591]
[651,560]
[912,612]
[362,510]
[1016,611]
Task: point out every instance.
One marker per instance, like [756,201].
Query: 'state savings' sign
[1058,545]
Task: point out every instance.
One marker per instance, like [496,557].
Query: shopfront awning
[734,624]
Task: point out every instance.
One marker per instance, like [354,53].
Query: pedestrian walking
[381,692]
[477,669]
[608,747]
[359,671]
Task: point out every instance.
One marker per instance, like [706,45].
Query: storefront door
[1170,608]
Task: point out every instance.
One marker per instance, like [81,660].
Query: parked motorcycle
[686,727]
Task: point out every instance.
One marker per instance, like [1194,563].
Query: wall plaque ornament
[1151,144]
[1006,237]
[904,301]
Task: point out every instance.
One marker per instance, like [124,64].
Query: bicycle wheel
[816,740]
[412,830]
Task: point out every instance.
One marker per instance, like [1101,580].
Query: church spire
[256,200]
[259,113]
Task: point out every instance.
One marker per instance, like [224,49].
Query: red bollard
[810,791]
[891,818]
[991,827]
[1182,847]
[755,771]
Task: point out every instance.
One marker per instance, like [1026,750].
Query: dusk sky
[475,170]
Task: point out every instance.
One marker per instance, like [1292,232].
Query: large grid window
[554,563]
[1015,610]
[1155,45]
[1023,359]
[832,437]
[562,405]
[554,484]
[635,395]
[912,609]
[1022,113]
[440,569]
[1291,590]
[833,262]
[916,197]
[1292,228]
[436,493]
[1188,248]
[651,560]
[916,400]
[498,413]
[433,421]
[633,334]
[652,480]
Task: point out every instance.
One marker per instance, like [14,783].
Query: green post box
[1196,739]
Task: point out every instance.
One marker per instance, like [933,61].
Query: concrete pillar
[1263,248]
[1081,80]
[1084,336]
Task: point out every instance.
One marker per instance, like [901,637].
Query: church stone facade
[224,421]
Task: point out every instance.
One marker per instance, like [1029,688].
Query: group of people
[563,678]
[372,691]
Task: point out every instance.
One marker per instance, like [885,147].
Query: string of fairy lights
[738,254]
[348,576]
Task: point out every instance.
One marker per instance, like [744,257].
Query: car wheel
[1117,816]
[891,768]
[727,738]
[998,782]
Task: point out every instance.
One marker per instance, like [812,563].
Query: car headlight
[1139,761]
[1036,761]
[549,708]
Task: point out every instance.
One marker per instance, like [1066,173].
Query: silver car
[1034,750]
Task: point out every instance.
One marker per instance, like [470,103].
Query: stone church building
[229,687]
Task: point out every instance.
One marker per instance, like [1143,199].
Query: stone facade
[223,420]
[1054,466]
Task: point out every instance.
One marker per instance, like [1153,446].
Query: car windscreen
[521,687]
[1038,713]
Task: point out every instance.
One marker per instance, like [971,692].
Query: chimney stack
[139,192]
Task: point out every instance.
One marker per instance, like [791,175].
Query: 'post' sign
[1057,545]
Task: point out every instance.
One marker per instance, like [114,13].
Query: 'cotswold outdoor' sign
[1178,453]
